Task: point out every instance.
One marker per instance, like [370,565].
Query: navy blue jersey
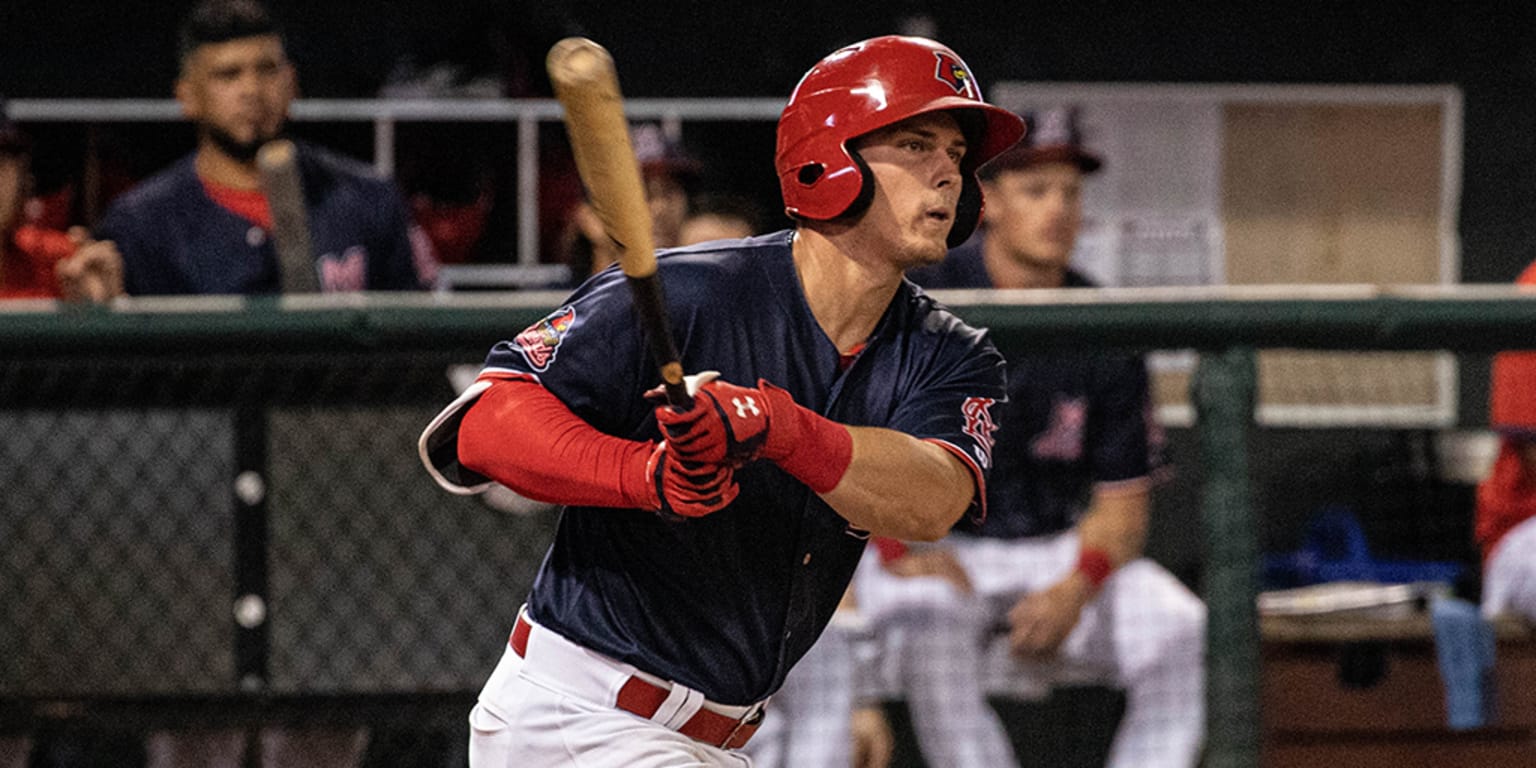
[176,240]
[727,603]
[1072,420]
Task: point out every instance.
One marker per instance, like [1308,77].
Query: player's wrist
[638,480]
[812,448]
[1095,566]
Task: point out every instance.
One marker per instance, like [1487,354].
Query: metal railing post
[1224,395]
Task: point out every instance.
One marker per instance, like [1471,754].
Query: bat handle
[653,319]
[677,391]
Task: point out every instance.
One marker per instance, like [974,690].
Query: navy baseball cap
[660,155]
[13,140]
[1050,135]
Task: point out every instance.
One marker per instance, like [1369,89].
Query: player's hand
[94,272]
[937,562]
[1041,621]
[689,489]
[731,425]
[873,743]
[728,424]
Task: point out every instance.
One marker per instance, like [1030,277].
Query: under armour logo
[743,406]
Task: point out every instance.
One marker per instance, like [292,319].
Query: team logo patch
[1063,437]
[953,73]
[345,273]
[541,341]
[980,426]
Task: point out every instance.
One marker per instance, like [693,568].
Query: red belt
[643,698]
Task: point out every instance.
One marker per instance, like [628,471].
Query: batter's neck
[847,297]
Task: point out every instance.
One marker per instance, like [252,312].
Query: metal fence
[213,510]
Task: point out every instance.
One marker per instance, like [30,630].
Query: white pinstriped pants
[1144,632]
[1509,582]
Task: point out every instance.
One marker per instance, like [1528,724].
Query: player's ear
[186,95]
[291,80]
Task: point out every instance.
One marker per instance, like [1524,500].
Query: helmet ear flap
[967,211]
[866,194]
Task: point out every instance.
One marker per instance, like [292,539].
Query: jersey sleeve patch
[979,426]
[540,342]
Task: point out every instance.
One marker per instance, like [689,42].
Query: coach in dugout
[202,226]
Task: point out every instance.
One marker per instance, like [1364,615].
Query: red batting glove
[726,425]
[732,425]
[686,489]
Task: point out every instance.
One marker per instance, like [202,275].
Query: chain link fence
[240,536]
[215,517]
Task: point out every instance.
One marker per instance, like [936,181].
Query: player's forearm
[901,487]
[522,436]
[1116,523]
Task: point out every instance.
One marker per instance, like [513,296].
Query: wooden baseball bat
[588,87]
[278,162]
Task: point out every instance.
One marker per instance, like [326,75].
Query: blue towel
[1334,548]
[1465,648]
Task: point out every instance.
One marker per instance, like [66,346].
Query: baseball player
[37,261]
[1506,499]
[688,575]
[202,225]
[1056,564]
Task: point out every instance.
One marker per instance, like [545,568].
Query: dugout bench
[1367,693]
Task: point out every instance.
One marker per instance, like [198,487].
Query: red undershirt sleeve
[520,435]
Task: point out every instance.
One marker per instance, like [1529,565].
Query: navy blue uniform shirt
[727,603]
[176,240]
[1072,420]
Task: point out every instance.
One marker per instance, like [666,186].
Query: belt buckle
[750,720]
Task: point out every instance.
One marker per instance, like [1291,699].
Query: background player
[1057,561]
[720,217]
[687,577]
[201,225]
[671,179]
[37,261]
[1506,499]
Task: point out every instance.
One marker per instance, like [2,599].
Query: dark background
[88,49]
[83,48]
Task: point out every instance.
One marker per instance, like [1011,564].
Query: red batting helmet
[867,86]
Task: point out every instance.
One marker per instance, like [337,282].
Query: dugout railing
[213,510]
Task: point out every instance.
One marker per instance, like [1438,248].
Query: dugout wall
[172,464]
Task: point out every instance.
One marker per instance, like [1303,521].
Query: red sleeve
[1505,499]
[520,435]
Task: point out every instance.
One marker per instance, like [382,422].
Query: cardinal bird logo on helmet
[953,72]
[541,341]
